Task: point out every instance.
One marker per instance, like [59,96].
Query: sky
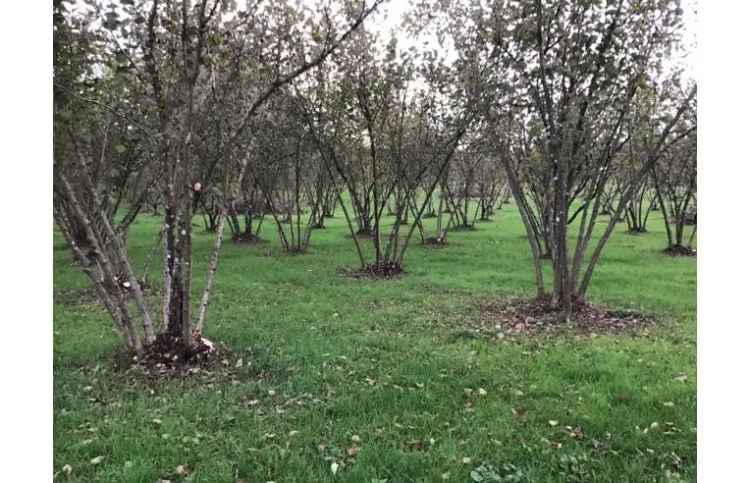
[690,40]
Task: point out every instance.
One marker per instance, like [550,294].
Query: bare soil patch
[513,317]
[169,357]
[247,238]
[381,270]
[463,228]
[680,251]
[434,242]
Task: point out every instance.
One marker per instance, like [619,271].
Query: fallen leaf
[518,411]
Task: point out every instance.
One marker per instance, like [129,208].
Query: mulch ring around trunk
[169,357]
[363,234]
[463,228]
[434,242]
[680,251]
[380,270]
[247,238]
[499,319]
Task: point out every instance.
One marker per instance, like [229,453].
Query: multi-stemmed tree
[388,118]
[581,65]
[290,175]
[565,75]
[461,184]
[177,63]
[675,178]
[642,125]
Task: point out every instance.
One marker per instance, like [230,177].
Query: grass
[385,367]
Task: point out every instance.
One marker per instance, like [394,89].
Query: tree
[290,174]
[460,188]
[178,62]
[380,136]
[642,126]
[675,182]
[493,190]
[565,75]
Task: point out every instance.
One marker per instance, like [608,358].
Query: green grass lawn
[379,379]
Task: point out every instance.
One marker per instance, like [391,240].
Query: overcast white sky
[690,41]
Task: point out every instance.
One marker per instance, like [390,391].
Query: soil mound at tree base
[169,357]
[375,270]
[500,319]
[246,238]
[680,251]
[463,228]
[434,242]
